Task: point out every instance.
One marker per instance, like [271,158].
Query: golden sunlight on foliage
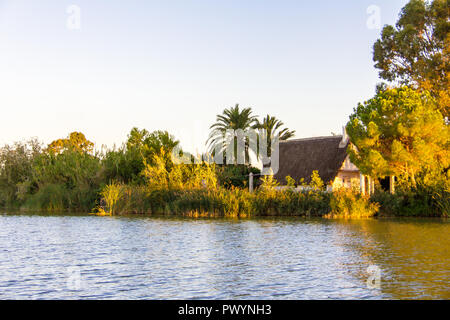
[112,194]
[399,132]
[75,142]
[179,176]
[346,203]
[316,181]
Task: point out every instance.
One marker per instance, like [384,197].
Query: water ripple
[86,257]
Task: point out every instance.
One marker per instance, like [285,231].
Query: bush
[413,203]
[236,175]
[52,197]
[112,193]
[346,203]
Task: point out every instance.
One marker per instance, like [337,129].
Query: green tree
[66,180]
[16,170]
[416,51]
[231,119]
[136,138]
[150,144]
[122,165]
[127,163]
[399,132]
[159,142]
[270,128]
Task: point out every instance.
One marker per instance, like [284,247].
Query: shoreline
[189,216]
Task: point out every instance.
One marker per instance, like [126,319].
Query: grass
[221,202]
[349,204]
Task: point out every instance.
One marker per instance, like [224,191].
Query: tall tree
[76,141]
[149,144]
[16,169]
[272,127]
[399,132]
[231,119]
[141,147]
[136,138]
[416,50]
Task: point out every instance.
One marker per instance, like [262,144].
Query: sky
[103,67]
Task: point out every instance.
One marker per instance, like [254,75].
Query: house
[298,158]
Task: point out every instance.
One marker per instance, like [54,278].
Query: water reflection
[162,258]
[413,254]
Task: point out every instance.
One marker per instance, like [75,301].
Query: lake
[90,257]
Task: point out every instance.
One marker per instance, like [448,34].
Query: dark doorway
[384,183]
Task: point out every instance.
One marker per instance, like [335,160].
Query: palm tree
[231,119]
[270,128]
[271,125]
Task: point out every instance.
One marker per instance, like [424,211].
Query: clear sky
[175,64]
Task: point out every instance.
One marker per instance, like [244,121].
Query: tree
[231,119]
[271,127]
[159,141]
[149,144]
[123,165]
[126,163]
[136,138]
[16,170]
[416,51]
[76,141]
[399,132]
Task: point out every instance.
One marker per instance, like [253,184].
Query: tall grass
[193,191]
[112,194]
[347,203]
[52,197]
[221,202]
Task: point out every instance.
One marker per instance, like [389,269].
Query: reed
[347,203]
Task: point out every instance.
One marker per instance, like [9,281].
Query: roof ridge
[312,138]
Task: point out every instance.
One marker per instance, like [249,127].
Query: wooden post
[373,186]
[392,184]
[370,185]
[250,182]
[362,183]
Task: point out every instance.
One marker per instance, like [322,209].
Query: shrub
[290,182]
[412,203]
[346,203]
[112,193]
[236,175]
[52,197]
[316,181]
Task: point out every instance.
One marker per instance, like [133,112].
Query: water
[89,257]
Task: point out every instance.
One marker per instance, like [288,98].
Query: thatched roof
[300,157]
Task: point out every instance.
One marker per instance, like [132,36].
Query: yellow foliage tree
[399,132]
[76,141]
